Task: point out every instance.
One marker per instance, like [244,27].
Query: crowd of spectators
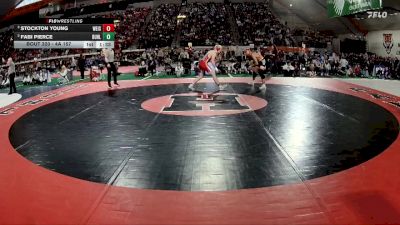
[6,43]
[131,23]
[206,24]
[309,64]
[311,38]
[335,65]
[180,61]
[369,65]
[20,55]
[161,29]
[257,25]
[95,8]
[36,73]
[40,72]
[128,30]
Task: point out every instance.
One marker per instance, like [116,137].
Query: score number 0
[108,28]
[108,32]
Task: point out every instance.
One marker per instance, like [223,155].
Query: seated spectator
[206,24]
[64,75]
[161,29]
[257,25]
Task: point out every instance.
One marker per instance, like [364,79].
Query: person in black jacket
[152,66]
[81,65]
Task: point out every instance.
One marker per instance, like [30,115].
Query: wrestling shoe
[191,87]
[222,87]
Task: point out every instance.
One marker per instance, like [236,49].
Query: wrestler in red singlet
[207,65]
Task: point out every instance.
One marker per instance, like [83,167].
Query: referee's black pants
[112,69]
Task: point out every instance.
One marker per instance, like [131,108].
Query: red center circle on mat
[204,104]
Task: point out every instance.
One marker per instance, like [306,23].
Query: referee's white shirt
[11,67]
[109,55]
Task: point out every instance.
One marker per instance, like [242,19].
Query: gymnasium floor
[305,151]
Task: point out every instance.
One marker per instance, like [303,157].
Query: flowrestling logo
[375,14]
[384,98]
[39,99]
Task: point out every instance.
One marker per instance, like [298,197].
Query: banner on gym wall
[385,43]
[346,7]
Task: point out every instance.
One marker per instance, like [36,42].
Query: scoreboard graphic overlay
[66,33]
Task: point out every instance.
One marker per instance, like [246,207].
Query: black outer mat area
[302,133]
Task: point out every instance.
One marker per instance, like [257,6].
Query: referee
[109,59]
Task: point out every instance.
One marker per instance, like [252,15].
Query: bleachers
[161,29]
[206,24]
[257,25]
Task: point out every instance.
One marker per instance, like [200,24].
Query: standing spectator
[73,63]
[81,65]
[11,75]
[38,65]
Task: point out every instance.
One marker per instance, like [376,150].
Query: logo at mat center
[204,104]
